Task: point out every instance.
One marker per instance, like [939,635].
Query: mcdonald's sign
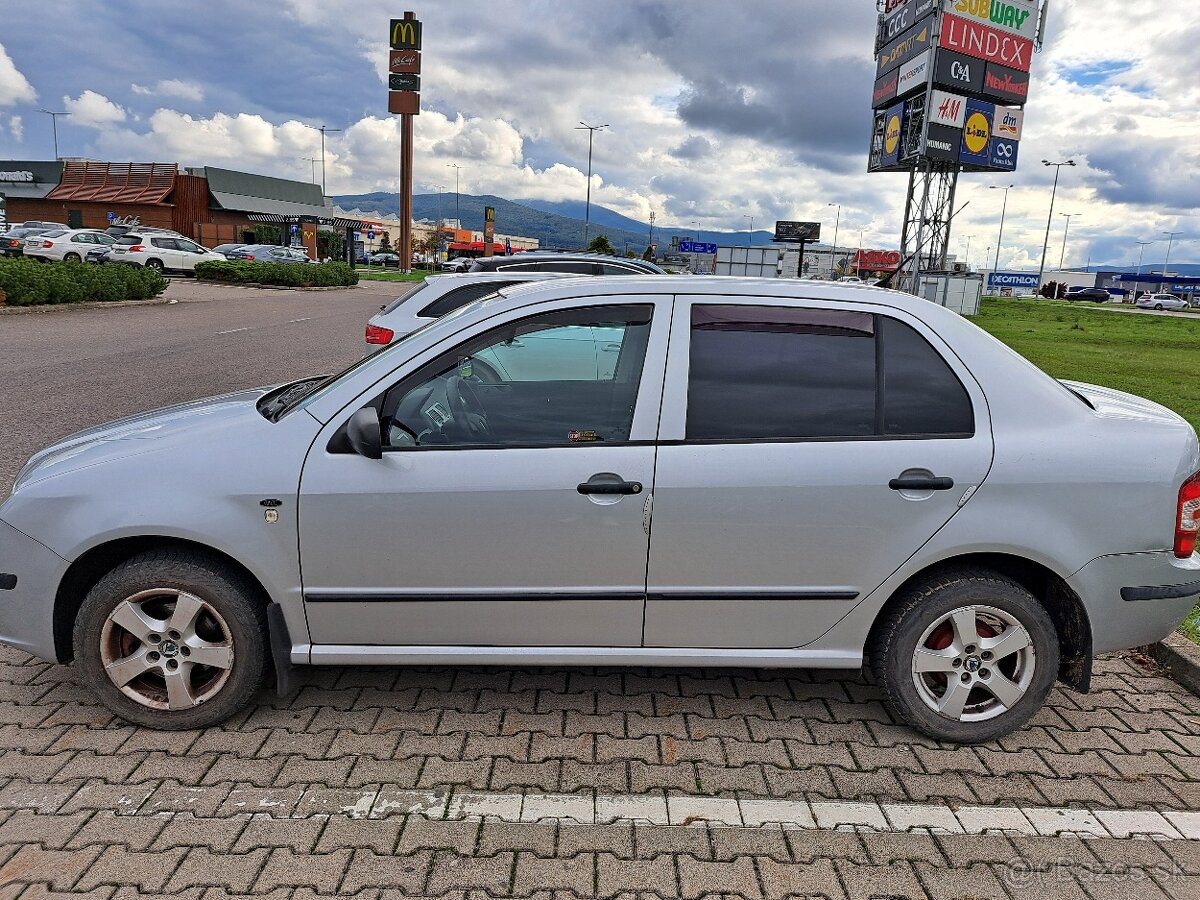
[405,34]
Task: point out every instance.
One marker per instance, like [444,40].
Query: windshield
[321,388]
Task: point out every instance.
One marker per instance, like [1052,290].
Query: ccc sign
[406,34]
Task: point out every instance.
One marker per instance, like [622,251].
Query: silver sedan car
[622,472]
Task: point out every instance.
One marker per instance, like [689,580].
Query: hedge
[235,271]
[25,282]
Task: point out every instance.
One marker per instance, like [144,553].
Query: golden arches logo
[406,34]
[977,132]
[891,136]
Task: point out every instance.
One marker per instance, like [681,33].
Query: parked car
[12,242]
[268,253]
[838,474]
[458,264]
[162,251]
[569,263]
[384,259]
[225,249]
[98,255]
[1161,301]
[436,296]
[1090,294]
[66,245]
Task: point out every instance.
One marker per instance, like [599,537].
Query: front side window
[780,373]
[550,380]
[163,243]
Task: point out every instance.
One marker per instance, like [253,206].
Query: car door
[509,506]
[806,453]
[190,253]
[168,251]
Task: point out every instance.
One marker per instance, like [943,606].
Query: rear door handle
[921,483]
[610,487]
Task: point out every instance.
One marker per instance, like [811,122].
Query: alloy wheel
[166,649]
[973,664]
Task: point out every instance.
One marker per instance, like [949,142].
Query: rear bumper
[1135,599]
[27,606]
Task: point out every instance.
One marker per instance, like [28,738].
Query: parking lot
[448,782]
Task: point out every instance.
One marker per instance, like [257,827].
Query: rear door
[805,454]
[165,249]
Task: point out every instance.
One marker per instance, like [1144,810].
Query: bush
[28,283]
[236,271]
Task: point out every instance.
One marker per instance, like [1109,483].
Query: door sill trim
[800,658]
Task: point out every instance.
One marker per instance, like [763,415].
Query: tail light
[1187,523]
[136,248]
[46,244]
[250,256]
[377,334]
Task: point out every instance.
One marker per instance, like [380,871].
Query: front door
[509,508]
[807,453]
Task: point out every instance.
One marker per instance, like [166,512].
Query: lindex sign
[972,38]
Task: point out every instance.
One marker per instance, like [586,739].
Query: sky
[716,111]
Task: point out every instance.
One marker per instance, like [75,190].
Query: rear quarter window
[460,297]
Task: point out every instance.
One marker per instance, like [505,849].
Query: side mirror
[365,433]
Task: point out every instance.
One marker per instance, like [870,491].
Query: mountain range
[553,224]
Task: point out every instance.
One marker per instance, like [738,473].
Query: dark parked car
[267,253]
[98,255]
[385,259]
[226,249]
[12,242]
[1092,294]
[571,263]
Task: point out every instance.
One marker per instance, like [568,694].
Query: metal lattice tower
[928,211]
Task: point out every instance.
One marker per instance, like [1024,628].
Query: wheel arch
[83,574]
[1064,606]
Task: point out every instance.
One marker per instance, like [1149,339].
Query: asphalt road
[67,369]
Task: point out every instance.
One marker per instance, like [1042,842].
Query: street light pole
[750,242]
[1063,256]
[587,216]
[325,130]
[54,125]
[1050,217]
[1003,211]
[651,244]
[313,160]
[836,225]
[1141,255]
[457,206]
[968,253]
[1171,235]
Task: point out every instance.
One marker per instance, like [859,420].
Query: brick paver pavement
[449,782]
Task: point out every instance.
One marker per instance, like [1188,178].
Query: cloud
[695,147]
[14,87]
[16,127]
[92,109]
[171,87]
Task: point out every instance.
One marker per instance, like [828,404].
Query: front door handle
[921,483]
[610,487]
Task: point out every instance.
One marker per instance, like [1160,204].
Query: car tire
[1158,306]
[146,623]
[948,684]
[72,257]
[156,265]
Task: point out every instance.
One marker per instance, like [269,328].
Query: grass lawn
[1157,357]
[1153,356]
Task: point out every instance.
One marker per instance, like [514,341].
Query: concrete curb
[63,307]
[1181,658]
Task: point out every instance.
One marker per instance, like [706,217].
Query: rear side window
[128,240]
[606,269]
[460,297]
[776,373]
[163,243]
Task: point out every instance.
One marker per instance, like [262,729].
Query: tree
[601,244]
[267,234]
[329,244]
[385,242]
[648,256]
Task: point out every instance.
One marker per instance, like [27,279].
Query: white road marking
[233,331]
[294,321]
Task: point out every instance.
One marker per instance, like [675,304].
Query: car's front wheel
[967,656]
[172,640]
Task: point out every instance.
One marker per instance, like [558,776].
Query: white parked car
[1146,301]
[66,245]
[438,295]
[163,251]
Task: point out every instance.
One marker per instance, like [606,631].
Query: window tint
[163,243]
[762,373]
[606,269]
[921,394]
[129,240]
[573,268]
[188,246]
[554,379]
[772,372]
[460,297]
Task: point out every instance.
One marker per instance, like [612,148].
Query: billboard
[797,232]
[885,90]
[1017,17]
[1008,123]
[901,17]
[1005,85]
[1002,154]
[404,67]
[972,38]
[910,44]
[948,109]
[942,142]
[958,72]
[892,133]
[3,214]
[1019,280]
[913,75]
[977,134]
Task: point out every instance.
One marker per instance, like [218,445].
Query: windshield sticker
[582,437]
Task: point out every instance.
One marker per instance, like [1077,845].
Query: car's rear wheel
[1158,306]
[968,656]
[172,640]
[72,257]
[155,264]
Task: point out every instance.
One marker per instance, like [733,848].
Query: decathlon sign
[1012,280]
